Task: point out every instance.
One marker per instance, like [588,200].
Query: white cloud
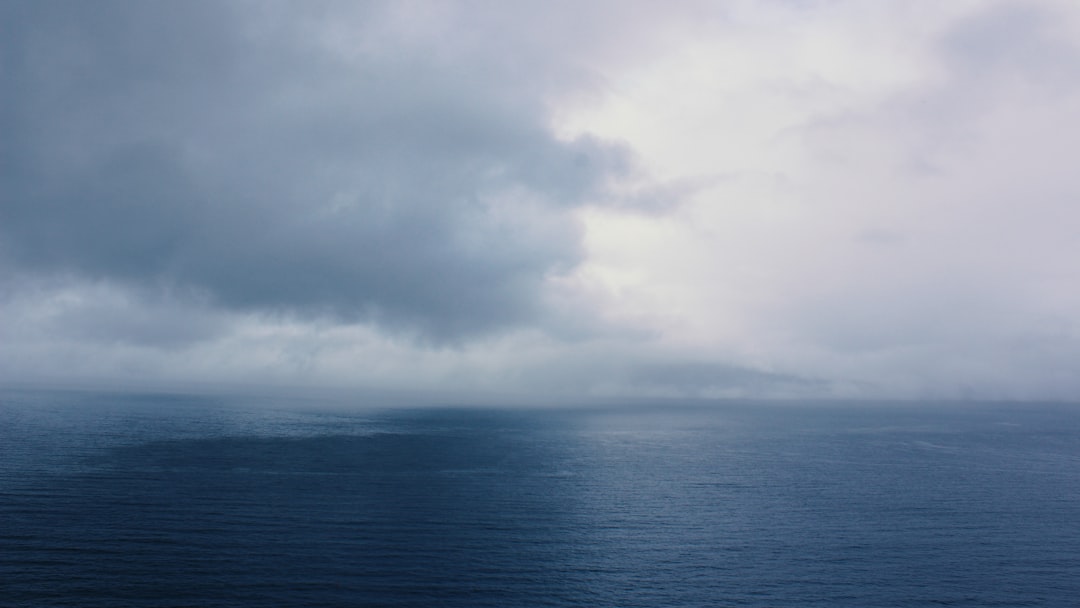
[875,218]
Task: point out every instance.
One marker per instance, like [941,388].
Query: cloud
[1007,40]
[272,162]
[899,211]
[753,198]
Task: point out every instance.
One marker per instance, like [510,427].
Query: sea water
[167,500]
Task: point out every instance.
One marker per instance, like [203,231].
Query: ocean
[172,500]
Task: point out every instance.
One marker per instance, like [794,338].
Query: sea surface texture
[156,500]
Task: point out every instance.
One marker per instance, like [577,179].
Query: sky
[770,198]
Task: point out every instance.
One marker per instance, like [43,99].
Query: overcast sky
[775,198]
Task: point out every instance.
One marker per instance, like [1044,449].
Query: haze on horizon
[771,198]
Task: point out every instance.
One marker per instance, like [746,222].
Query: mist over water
[157,500]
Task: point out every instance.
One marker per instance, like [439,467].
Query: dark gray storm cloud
[284,161]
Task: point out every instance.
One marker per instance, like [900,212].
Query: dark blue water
[123,500]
